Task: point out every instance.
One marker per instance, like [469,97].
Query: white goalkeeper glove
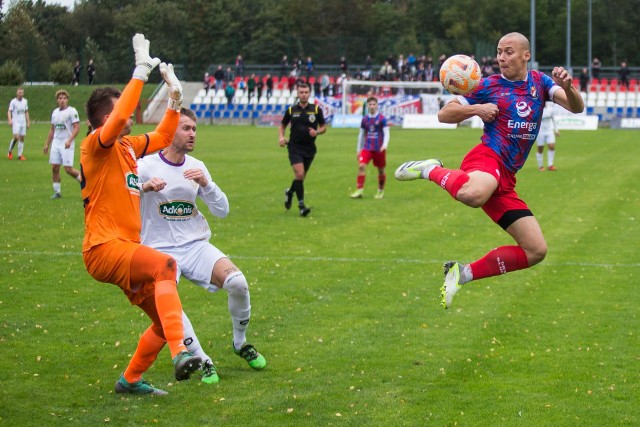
[144,63]
[174,87]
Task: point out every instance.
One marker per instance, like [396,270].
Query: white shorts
[546,138]
[19,128]
[60,155]
[195,262]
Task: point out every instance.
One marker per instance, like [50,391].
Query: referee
[307,122]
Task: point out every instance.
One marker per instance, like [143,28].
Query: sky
[67,3]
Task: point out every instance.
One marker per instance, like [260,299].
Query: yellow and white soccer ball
[460,74]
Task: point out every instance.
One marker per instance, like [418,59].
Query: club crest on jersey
[132,182]
[176,210]
[523,109]
[312,118]
[534,92]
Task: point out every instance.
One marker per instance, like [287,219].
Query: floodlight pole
[534,65]
[568,61]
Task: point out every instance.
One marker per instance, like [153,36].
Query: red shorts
[379,158]
[111,262]
[504,198]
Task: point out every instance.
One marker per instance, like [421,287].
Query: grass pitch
[345,301]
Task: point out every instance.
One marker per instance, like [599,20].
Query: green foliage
[61,72]
[11,74]
[345,301]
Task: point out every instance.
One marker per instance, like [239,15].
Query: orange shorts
[113,262]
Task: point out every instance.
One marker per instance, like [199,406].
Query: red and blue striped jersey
[520,103]
[373,131]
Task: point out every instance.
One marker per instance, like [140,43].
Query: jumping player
[510,105]
[373,141]
[111,248]
[171,223]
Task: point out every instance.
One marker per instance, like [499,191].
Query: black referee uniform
[301,146]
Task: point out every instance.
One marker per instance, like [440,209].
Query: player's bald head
[516,39]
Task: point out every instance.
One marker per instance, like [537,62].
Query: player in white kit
[548,132]
[60,144]
[171,223]
[18,115]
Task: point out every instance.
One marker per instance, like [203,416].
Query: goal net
[395,98]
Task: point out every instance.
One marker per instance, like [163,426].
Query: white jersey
[170,217]
[19,110]
[548,124]
[62,121]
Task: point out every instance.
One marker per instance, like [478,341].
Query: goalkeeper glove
[144,63]
[174,87]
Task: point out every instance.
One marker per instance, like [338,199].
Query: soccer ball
[460,74]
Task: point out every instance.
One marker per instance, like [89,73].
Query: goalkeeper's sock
[170,312]
[449,179]
[499,261]
[360,182]
[382,179]
[146,353]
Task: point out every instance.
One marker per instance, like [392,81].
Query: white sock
[79,177]
[551,154]
[12,143]
[239,303]
[540,159]
[56,187]
[20,148]
[466,275]
[191,340]
[425,172]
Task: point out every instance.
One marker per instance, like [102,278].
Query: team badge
[534,92]
[312,118]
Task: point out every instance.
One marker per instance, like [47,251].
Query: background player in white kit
[548,132]
[65,125]
[18,115]
[171,223]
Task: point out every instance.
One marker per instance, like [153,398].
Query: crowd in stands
[232,81]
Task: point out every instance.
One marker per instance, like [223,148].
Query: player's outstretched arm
[126,104]
[455,112]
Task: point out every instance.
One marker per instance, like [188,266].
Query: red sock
[499,261]
[148,348]
[382,178]
[360,185]
[449,179]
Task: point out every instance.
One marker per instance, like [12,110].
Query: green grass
[42,99]
[345,302]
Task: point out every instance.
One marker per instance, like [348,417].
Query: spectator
[412,64]
[595,68]
[292,80]
[309,66]
[242,84]
[324,85]
[259,87]
[284,66]
[228,75]
[584,80]
[343,65]
[317,90]
[269,84]
[229,92]
[368,64]
[219,76]
[206,84]
[76,74]
[386,72]
[623,73]
[91,71]
[436,70]
[251,85]
[239,66]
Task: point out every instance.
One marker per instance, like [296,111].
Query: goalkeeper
[112,252]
